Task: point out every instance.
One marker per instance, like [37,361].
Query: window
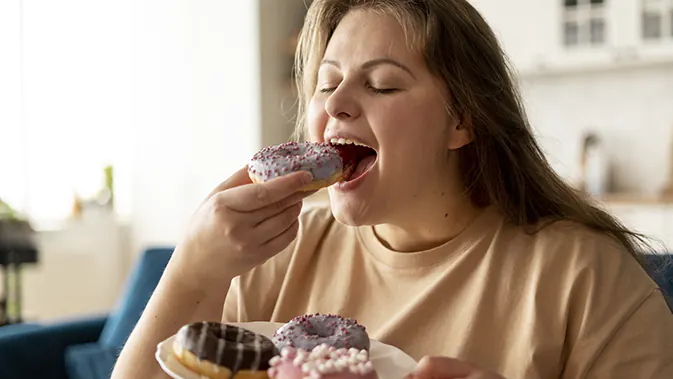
[571,34]
[651,25]
[584,23]
[657,19]
[63,103]
[597,35]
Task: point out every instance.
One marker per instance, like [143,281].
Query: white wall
[10,100]
[278,20]
[527,29]
[81,270]
[631,110]
[195,107]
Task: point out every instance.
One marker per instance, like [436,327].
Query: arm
[173,304]
[239,226]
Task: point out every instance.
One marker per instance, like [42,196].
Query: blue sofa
[660,268]
[88,348]
[81,348]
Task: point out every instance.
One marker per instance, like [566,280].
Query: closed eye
[381,91]
[378,91]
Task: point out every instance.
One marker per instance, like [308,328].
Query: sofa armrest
[38,351]
[90,361]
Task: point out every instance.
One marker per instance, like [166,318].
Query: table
[11,261]
[17,247]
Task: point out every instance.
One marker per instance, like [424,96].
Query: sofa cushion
[89,361]
[660,269]
[37,351]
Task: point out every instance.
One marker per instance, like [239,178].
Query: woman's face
[373,89]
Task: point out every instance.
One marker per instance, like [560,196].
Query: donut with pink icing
[322,362]
[308,331]
[322,160]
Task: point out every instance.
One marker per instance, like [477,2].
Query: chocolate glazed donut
[223,351]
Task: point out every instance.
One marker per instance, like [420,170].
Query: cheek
[317,118]
[415,128]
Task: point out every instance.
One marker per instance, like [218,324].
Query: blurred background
[118,117]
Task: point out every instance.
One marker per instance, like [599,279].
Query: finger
[237,179]
[283,240]
[260,215]
[256,196]
[276,225]
[441,368]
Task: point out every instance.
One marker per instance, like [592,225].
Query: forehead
[365,34]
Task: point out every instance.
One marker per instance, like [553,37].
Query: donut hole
[230,334]
[352,155]
[320,332]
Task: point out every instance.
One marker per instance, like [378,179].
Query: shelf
[634,199]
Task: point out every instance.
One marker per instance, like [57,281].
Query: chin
[352,212]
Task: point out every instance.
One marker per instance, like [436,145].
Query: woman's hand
[240,225]
[449,368]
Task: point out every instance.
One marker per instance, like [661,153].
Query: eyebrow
[372,63]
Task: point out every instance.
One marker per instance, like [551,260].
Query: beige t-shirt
[562,303]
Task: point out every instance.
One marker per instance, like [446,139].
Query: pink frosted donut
[322,160]
[308,331]
[323,362]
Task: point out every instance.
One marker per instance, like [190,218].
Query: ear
[460,131]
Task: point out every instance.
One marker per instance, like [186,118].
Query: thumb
[237,179]
[441,368]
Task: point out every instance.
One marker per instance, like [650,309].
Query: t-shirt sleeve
[641,347]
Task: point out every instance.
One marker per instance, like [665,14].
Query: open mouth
[357,158]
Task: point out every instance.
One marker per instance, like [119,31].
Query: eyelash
[382,91]
[378,91]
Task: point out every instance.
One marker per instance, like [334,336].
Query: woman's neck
[424,227]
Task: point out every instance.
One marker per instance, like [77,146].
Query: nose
[342,106]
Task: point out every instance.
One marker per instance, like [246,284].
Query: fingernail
[306,177]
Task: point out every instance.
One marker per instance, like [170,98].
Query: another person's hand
[449,368]
[240,225]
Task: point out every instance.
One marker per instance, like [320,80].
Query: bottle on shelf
[595,166]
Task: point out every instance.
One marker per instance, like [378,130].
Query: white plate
[389,361]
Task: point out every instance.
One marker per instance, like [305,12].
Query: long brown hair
[504,166]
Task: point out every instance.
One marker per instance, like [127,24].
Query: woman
[454,241]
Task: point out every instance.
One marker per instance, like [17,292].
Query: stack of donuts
[312,346]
